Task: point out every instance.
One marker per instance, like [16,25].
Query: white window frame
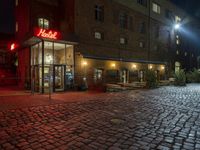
[141,44]
[156,8]
[97,35]
[122,40]
[43,23]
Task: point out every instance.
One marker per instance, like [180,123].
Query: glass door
[59,78]
[124,76]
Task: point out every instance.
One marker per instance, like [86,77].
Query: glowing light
[162,67]
[134,66]
[113,65]
[177,26]
[47,33]
[150,67]
[85,63]
[49,58]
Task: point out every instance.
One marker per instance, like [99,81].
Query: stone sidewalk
[164,118]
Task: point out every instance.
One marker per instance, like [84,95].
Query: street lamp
[84,63]
[177,26]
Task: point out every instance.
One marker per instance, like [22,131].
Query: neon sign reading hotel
[44,33]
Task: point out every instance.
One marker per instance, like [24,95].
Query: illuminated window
[16,27]
[185,53]
[43,23]
[142,44]
[16,2]
[98,35]
[123,40]
[99,13]
[156,8]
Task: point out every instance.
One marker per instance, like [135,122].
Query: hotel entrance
[52,66]
[59,78]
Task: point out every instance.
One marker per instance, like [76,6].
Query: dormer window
[43,23]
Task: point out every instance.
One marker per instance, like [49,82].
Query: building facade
[67,43]
[7,61]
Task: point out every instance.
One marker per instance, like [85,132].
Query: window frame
[98,37]
[123,20]
[42,23]
[125,41]
[156,8]
[141,44]
[99,13]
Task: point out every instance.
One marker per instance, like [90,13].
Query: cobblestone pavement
[164,118]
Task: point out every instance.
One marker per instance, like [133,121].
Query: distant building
[71,42]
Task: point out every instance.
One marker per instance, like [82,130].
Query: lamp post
[84,64]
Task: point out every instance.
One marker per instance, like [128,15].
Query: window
[157,32]
[156,8]
[185,53]
[99,13]
[177,66]
[156,48]
[16,27]
[123,20]
[177,52]
[98,75]
[98,35]
[142,2]
[141,44]
[130,23]
[16,2]
[123,40]
[168,14]
[43,23]
[142,27]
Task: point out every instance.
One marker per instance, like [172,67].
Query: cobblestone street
[164,118]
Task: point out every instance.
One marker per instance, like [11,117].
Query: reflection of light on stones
[117,121]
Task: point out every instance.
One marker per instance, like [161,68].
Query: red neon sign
[44,33]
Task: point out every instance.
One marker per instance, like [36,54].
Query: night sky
[7,15]
[191,6]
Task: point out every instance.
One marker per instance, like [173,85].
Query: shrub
[180,78]
[193,76]
[151,79]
